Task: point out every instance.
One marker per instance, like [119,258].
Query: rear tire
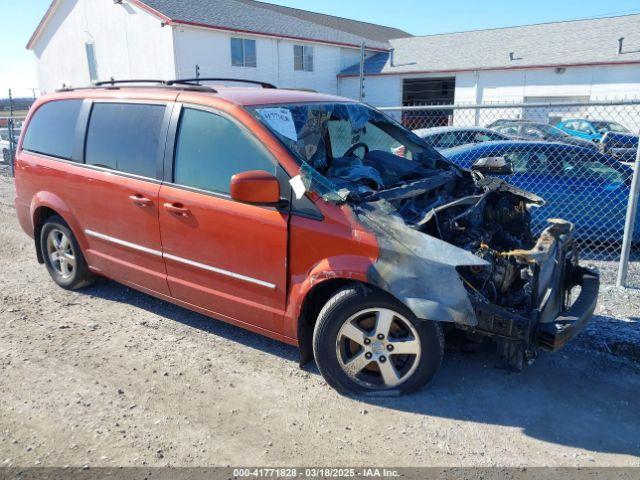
[62,255]
[367,342]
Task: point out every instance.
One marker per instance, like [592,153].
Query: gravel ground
[111,377]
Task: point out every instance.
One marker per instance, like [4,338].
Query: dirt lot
[108,376]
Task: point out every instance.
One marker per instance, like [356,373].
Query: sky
[419,17]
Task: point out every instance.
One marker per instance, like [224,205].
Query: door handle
[177,209]
[140,201]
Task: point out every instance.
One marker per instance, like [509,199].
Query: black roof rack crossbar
[197,81]
[121,82]
[139,83]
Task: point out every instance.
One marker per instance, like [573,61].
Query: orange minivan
[309,218]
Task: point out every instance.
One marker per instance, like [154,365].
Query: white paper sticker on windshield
[298,186]
[281,121]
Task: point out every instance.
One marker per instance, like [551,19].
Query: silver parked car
[449,137]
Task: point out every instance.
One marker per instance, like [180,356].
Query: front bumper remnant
[554,335]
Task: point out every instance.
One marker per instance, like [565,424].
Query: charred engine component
[501,220]
[511,222]
[490,226]
[497,279]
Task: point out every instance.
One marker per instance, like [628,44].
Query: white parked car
[4,142]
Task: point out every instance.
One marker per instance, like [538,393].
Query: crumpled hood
[418,269]
[421,270]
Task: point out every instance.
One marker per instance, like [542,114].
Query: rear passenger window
[125,137]
[210,149]
[52,129]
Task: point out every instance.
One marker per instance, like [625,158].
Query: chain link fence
[580,157]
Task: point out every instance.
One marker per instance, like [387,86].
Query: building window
[91,61]
[243,52]
[303,58]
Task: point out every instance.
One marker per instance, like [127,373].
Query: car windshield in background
[604,127]
[551,131]
[349,148]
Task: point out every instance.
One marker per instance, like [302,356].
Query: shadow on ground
[575,397]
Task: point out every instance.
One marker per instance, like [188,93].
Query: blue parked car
[614,139]
[579,184]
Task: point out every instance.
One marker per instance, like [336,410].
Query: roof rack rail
[197,81]
[139,83]
[122,82]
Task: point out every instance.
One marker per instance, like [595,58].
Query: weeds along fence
[580,157]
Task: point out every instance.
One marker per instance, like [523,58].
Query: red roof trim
[55,3]
[150,10]
[42,23]
[487,69]
[169,21]
[255,32]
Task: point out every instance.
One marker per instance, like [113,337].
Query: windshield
[350,148]
[552,131]
[604,127]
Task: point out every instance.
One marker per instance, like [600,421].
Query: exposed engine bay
[484,216]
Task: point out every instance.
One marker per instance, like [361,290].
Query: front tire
[62,255]
[367,342]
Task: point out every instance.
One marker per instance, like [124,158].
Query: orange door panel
[225,256]
[119,216]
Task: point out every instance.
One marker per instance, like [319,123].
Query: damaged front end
[454,246]
[463,252]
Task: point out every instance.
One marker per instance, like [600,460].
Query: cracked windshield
[350,150]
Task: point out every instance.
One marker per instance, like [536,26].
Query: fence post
[361,79]
[10,131]
[12,150]
[632,209]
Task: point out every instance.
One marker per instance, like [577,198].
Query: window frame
[303,207]
[172,143]
[305,65]
[75,158]
[82,130]
[242,41]
[82,134]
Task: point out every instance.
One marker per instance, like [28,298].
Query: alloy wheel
[378,348]
[61,255]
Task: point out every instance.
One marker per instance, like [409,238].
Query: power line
[608,14]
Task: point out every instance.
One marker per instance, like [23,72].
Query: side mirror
[493,166]
[256,187]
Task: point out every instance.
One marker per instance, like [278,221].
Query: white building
[584,60]
[83,40]
[79,41]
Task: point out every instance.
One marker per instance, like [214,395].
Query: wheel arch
[40,216]
[313,303]
[44,206]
